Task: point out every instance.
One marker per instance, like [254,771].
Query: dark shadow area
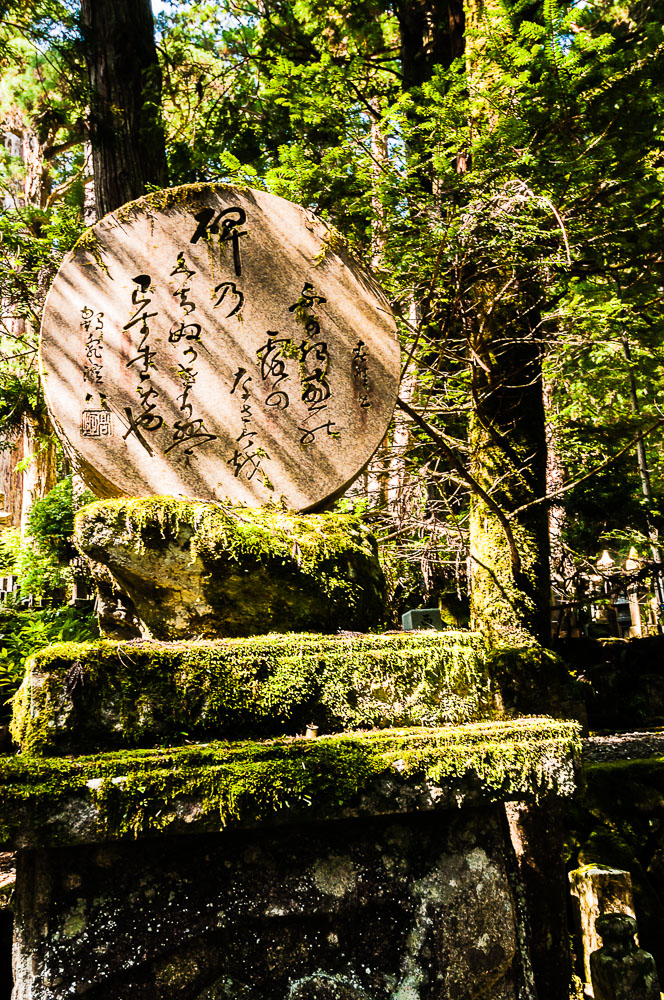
[621,680]
[6,933]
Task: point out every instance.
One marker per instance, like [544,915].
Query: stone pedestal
[386,908]
[367,866]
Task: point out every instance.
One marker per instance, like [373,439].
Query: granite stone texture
[172,569]
[418,907]
[218,343]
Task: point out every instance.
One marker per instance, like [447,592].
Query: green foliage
[25,632]
[10,548]
[41,190]
[51,520]
[44,557]
[132,793]
[40,572]
[524,176]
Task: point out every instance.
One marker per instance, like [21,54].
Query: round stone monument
[218,343]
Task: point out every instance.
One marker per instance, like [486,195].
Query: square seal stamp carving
[96,423]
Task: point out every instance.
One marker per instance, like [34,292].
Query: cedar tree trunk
[125,94]
[510,590]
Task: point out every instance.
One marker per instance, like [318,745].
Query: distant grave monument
[217,343]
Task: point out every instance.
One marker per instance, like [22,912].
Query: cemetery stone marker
[217,343]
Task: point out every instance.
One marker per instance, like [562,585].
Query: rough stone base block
[409,908]
[172,569]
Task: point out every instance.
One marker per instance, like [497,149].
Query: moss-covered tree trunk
[510,588]
[126,135]
[39,462]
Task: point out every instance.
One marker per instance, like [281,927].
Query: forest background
[499,166]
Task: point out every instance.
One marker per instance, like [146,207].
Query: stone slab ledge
[85,697]
[53,801]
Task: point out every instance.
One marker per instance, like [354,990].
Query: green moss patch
[234,530]
[89,696]
[210,569]
[206,787]
[530,679]
[162,201]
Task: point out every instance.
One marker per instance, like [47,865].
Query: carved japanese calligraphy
[208,342]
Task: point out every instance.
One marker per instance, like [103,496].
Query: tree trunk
[555,480]
[432,34]
[127,138]
[646,487]
[509,542]
[11,483]
[37,181]
[510,590]
[537,835]
[40,464]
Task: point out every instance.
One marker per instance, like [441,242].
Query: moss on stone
[90,243]
[238,570]
[165,200]
[211,785]
[265,533]
[333,243]
[108,694]
[529,678]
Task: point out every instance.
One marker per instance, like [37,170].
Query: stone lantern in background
[632,565]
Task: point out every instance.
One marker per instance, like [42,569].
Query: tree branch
[470,481]
[593,472]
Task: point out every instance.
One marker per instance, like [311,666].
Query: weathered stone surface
[598,890]
[83,697]
[207,787]
[184,570]
[414,908]
[620,970]
[218,343]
